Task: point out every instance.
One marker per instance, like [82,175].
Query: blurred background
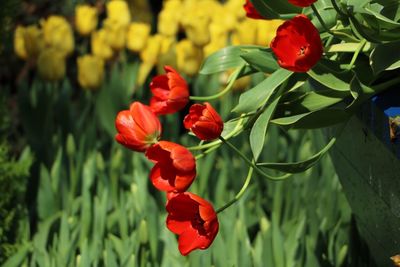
[71,196]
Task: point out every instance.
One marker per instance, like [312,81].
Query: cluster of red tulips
[298,48]
[139,129]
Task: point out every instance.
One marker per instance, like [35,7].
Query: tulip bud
[204,122]
[143,232]
[70,145]
[90,71]
[58,34]
[138,34]
[118,11]
[100,45]
[85,19]
[51,64]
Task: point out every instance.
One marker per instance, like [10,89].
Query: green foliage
[13,181]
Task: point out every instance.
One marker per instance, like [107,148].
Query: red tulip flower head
[175,167]
[170,92]
[297,44]
[302,3]
[138,128]
[204,121]
[193,219]
[251,11]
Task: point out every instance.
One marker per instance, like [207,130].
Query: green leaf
[259,95]
[224,59]
[326,73]
[262,60]
[17,259]
[260,127]
[299,166]
[385,57]
[315,119]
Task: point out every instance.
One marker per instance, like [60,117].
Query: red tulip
[170,92]
[193,219]
[302,3]
[175,167]
[251,11]
[204,121]
[138,128]
[297,44]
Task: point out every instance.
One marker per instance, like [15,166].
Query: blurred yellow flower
[100,45]
[168,22]
[85,19]
[137,36]
[219,38]
[115,33]
[19,42]
[188,57]
[118,10]
[197,29]
[245,32]
[266,31]
[151,51]
[51,64]
[58,34]
[235,7]
[90,71]
[28,41]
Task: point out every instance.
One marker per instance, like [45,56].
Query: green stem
[336,7]
[320,18]
[240,193]
[356,53]
[382,86]
[253,165]
[231,81]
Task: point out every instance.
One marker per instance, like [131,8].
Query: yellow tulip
[168,22]
[152,50]
[90,71]
[188,57]
[235,7]
[51,64]
[100,45]
[245,32]
[137,36]
[118,10]
[197,30]
[85,19]
[219,38]
[266,31]
[115,33]
[28,41]
[58,34]
[19,42]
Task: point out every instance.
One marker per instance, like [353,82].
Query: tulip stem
[253,164]
[356,53]
[240,193]
[315,10]
[231,81]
